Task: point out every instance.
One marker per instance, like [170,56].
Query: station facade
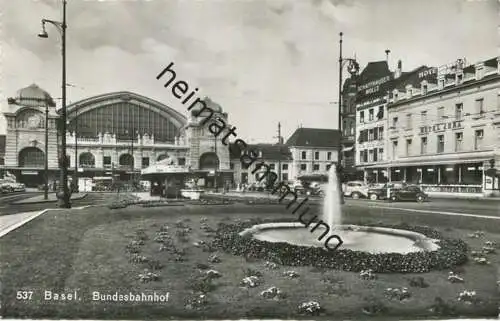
[111,135]
[115,135]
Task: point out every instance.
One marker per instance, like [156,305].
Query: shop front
[452,178]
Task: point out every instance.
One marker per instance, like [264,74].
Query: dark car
[380,193]
[409,193]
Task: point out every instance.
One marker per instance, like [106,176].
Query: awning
[436,163]
[312,178]
[347,149]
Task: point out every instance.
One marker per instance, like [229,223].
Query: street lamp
[132,137]
[63,195]
[216,165]
[46,187]
[353,68]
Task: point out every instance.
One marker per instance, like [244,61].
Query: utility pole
[340,101]
[64,197]
[279,153]
[216,165]
[75,175]
[46,187]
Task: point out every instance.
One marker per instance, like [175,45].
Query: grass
[85,250]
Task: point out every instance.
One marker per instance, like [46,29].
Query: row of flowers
[451,252]
[159,203]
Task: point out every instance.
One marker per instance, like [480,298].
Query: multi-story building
[2,150]
[277,156]
[445,134]
[371,115]
[348,118]
[313,151]
[374,122]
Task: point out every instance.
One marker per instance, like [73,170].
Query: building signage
[428,72]
[441,126]
[373,86]
[29,172]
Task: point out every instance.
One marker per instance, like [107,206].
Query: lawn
[85,250]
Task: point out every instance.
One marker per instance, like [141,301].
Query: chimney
[399,69]
[387,52]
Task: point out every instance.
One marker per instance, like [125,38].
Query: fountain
[354,237]
[332,209]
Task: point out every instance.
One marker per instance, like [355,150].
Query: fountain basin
[357,238]
[238,239]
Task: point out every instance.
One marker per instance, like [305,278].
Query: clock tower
[25,147]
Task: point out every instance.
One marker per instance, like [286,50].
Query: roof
[33,96]
[209,103]
[374,70]
[377,77]
[470,69]
[315,137]
[270,151]
[492,62]
[411,78]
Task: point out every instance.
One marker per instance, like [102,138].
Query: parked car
[409,193]
[315,189]
[4,189]
[9,187]
[380,193]
[355,189]
[19,187]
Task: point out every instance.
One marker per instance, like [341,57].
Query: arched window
[31,157]
[87,160]
[161,157]
[127,160]
[209,161]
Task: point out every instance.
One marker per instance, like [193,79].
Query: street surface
[7,208]
[473,207]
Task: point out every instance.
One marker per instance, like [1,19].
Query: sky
[263,61]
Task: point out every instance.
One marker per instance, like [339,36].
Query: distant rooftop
[314,137]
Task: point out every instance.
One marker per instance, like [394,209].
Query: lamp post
[132,137]
[353,69]
[46,187]
[75,174]
[216,164]
[63,195]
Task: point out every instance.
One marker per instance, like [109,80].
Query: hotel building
[444,130]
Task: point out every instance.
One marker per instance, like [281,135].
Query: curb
[47,201]
[21,223]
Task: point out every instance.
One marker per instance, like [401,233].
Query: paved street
[7,208]
[473,207]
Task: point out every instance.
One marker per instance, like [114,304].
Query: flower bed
[451,252]
[263,201]
[210,202]
[160,203]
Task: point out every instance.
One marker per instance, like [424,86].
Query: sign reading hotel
[428,72]
[373,86]
[441,126]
